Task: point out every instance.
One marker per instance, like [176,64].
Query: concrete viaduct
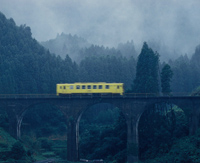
[73,108]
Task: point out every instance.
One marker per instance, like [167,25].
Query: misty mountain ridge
[74,46]
[66,44]
[78,48]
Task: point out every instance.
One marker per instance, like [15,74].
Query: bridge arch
[158,117]
[24,109]
[132,108]
[100,110]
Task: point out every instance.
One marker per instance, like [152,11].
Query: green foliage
[44,120]
[17,154]
[46,144]
[166,76]
[195,68]
[25,66]
[185,150]
[127,49]
[42,127]
[146,80]
[18,151]
[67,44]
[182,81]
[3,119]
[28,68]
[107,69]
[196,92]
[160,126]
[103,139]
[99,51]
[6,140]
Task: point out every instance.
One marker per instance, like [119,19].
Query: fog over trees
[171,27]
[144,60]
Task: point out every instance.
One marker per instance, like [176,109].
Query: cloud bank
[174,24]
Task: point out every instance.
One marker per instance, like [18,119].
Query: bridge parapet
[25,96]
[132,106]
[126,95]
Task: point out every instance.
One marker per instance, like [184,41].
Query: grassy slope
[6,141]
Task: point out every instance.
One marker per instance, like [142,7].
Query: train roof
[90,83]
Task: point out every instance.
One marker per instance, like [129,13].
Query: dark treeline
[26,67]
[103,135]
[186,72]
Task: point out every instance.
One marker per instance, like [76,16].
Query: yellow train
[89,88]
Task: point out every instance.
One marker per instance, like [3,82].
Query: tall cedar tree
[146,80]
[166,76]
[195,68]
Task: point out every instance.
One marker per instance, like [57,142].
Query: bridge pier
[72,108]
[132,143]
[72,140]
[15,119]
[12,118]
[194,118]
[132,112]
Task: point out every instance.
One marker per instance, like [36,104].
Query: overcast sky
[172,23]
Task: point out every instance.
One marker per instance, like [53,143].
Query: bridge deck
[127,95]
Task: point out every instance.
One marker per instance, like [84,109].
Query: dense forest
[26,67]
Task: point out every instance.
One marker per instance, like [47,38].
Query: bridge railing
[125,95]
[158,94]
[27,96]
[141,95]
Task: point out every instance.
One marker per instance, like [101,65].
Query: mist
[171,25]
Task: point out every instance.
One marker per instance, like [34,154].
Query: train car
[89,88]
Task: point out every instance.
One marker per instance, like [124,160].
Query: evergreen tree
[127,49]
[195,68]
[18,151]
[181,68]
[166,76]
[146,80]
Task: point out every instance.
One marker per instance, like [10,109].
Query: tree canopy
[166,76]
[146,80]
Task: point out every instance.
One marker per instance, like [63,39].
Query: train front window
[89,87]
[94,87]
[78,87]
[83,86]
[100,86]
[107,87]
[71,87]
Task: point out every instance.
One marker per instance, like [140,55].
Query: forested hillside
[78,48]
[66,44]
[186,72]
[26,67]
[126,55]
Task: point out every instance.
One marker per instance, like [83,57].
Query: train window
[60,87]
[118,87]
[83,86]
[64,87]
[71,87]
[89,87]
[78,87]
[94,87]
[100,86]
[107,87]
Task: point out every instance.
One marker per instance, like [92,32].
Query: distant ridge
[66,44]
